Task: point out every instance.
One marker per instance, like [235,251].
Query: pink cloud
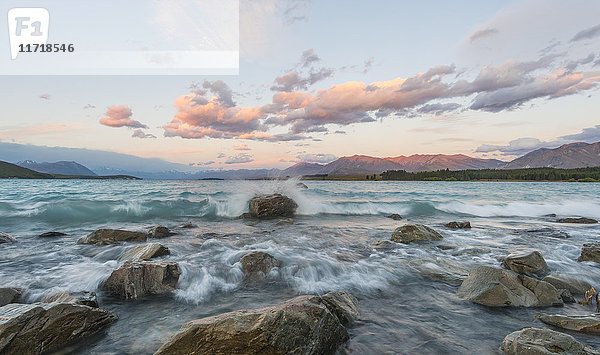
[120,116]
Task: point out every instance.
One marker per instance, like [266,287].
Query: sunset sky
[325,79]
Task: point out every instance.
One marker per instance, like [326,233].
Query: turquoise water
[328,247]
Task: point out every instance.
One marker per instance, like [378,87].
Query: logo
[27,26]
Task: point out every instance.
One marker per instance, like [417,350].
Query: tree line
[530,174]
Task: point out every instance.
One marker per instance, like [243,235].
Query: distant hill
[59,167]
[568,156]
[432,162]
[12,171]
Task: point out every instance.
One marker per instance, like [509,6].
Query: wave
[524,209]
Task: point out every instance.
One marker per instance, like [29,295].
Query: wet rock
[496,287]
[395,216]
[245,215]
[188,225]
[302,325]
[566,296]
[137,279]
[550,215]
[52,235]
[545,232]
[47,328]
[9,295]
[257,264]
[272,206]
[590,252]
[586,324]
[301,185]
[579,220]
[575,286]
[145,252]
[112,236]
[459,225]
[527,262]
[442,270]
[535,341]
[6,238]
[83,297]
[160,232]
[414,233]
[285,221]
[384,245]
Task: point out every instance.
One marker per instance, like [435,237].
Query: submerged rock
[272,206]
[527,262]
[137,279]
[384,244]
[112,236]
[459,225]
[160,232]
[578,220]
[395,216]
[9,295]
[414,233]
[6,238]
[188,225]
[258,264]
[575,286]
[145,252]
[301,185]
[587,324]
[535,341]
[83,297]
[446,271]
[496,287]
[302,325]
[47,328]
[52,235]
[590,252]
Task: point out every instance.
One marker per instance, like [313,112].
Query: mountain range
[574,155]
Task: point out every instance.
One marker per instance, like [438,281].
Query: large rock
[590,252]
[9,295]
[46,328]
[145,252]
[534,341]
[52,234]
[6,238]
[82,297]
[395,216]
[579,220]
[414,233]
[587,324]
[112,236]
[137,279]
[575,286]
[160,232]
[527,262]
[257,264]
[459,225]
[496,287]
[302,325]
[272,206]
[443,270]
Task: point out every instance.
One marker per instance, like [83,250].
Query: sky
[324,79]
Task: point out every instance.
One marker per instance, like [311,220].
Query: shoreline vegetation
[12,171]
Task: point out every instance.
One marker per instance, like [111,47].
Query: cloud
[294,80]
[588,33]
[317,158]
[368,64]
[240,159]
[589,135]
[120,116]
[477,35]
[572,65]
[45,96]
[138,133]
[308,57]
[89,107]
[438,108]
[241,147]
[294,10]
[210,162]
[221,155]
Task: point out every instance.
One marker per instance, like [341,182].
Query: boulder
[52,235]
[384,244]
[9,295]
[395,216]
[83,297]
[302,325]
[272,206]
[587,324]
[459,225]
[590,252]
[575,286]
[529,262]
[137,279]
[145,252]
[535,341]
[496,287]
[414,233]
[112,236]
[579,220]
[442,270]
[6,238]
[257,264]
[46,328]
[566,296]
[160,232]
